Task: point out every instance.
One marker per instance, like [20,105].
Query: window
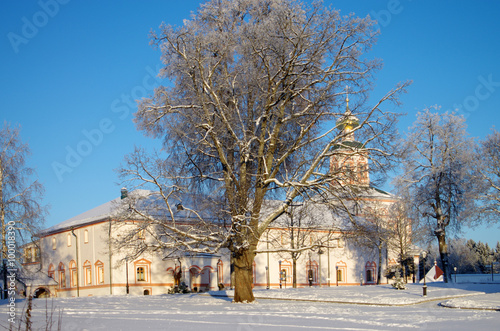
[339,275]
[28,257]
[86,236]
[73,274]
[51,271]
[54,243]
[87,271]
[37,254]
[140,274]
[140,234]
[283,274]
[142,271]
[341,268]
[62,276]
[220,273]
[69,239]
[99,269]
[312,268]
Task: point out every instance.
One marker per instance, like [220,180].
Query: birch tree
[370,229]
[21,209]
[247,117]
[404,231]
[439,174]
[301,230]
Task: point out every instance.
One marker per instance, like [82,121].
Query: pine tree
[400,282]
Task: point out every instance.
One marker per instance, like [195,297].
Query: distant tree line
[468,256]
[472,257]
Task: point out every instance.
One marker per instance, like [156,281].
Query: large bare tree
[439,173]
[247,116]
[21,210]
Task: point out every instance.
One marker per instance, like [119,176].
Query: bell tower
[349,162]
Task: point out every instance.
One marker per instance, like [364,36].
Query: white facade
[77,254]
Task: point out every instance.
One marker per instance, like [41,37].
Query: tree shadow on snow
[222,295]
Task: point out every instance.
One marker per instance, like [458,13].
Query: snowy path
[193,312]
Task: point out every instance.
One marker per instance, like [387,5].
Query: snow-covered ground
[334,308]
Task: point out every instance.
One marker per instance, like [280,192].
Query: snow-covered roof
[30,275]
[39,279]
[97,214]
[111,208]
[151,202]
[331,211]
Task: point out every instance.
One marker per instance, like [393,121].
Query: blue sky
[70,71]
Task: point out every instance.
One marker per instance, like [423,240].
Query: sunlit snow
[334,308]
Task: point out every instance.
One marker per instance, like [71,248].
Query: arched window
[99,269]
[87,271]
[72,274]
[51,271]
[341,270]
[62,275]
[340,275]
[69,239]
[286,271]
[54,243]
[312,272]
[194,277]
[85,236]
[220,273]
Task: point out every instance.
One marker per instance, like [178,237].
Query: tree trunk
[379,266]
[402,263]
[294,271]
[243,277]
[443,253]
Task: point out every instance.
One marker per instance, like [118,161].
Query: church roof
[349,144]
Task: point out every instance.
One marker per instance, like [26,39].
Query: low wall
[476,278]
